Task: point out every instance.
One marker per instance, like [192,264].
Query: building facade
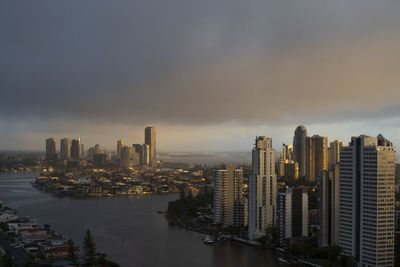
[120,144]
[329,206]
[334,152]
[126,157]
[76,149]
[316,156]
[228,188]
[292,214]
[287,152]
[65,148]
[285,216]
[367,203]
[299,213]
[51,152]
[150,139]
[299,149]
[262,188]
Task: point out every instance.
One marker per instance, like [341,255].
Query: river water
[128,230]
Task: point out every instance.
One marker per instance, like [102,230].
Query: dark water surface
[128,230]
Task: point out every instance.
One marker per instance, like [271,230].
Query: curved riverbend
[128,230]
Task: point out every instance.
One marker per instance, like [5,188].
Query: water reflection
[128,230]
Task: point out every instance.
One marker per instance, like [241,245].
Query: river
[128,230]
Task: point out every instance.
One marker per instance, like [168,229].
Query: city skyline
[242,142]
[183,127]
[279,64]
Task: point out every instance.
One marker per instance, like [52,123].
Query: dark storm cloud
[198,62]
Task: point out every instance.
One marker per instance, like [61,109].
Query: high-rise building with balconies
[367,200]
[262,188]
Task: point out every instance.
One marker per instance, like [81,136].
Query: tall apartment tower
[287,152]
[262,188]
[126,156]
[299,149]
[51,152]
[139,150]
[292,214]
[285,215]
[150,139]
[146,154]
[228,188]
[76,149]
[367,204]
[316,156]
[334,152]
[65,148]
[120,144]
[299,213]
[291,169]
[329,206]
[241,214]
[83,154]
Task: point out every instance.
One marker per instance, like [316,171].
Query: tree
[7,260]
[272,236]
[89,248]
[102,260]
[71,251]
[182,195]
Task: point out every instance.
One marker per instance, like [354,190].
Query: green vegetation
[187,206]
[3,226]
[271,238]
[71,251]
[92,257]
[89,248]
[7,261]
[328,256]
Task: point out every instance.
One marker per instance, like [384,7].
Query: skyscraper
[366,204]
[291,169]
[299,213]
[76,149]
[299,149]
[316,156]
[241,212]
[146,154]
[334,152]
[228,188]
[329,198]
[126,156]
[228,184]
[139,150]
[287,152]
[97,149]
[285,215]
[292,214]
[120,144]
[65,148]
[150,139]
[51,153]
[262,188]
[329,206]
[83,154]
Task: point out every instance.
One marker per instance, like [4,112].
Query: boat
[283,260]
[208,240]
[220,239]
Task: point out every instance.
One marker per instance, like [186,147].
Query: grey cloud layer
[199,62]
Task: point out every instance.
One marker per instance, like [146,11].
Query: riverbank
[25,243]
[126,229]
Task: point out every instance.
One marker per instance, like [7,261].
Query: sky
[210,75]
